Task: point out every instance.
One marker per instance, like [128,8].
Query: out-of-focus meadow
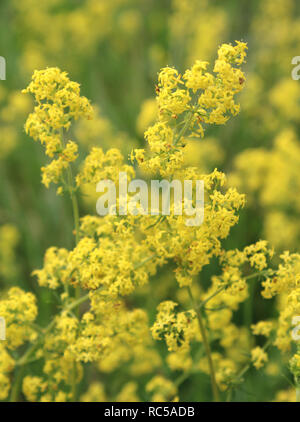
[114,49]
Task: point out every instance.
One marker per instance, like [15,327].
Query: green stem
[185,375]
[16,385]
[184,128]
[74,204]
[74,383]
[204,302]
[140,264]
[77,290]
[229,395]
[259,273]
[246,368]
[248,305]
[71,188]
[207,348]
[298,393]
[78,302]
[76,223]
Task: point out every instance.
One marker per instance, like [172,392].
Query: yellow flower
[259,357]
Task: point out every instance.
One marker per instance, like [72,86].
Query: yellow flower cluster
[7,365]
[58,103]
[186,103]
[162,389]
[54,272]
[178,329]
[101,166]
[19,310]
[262,328]
[295,367]
[108,335]
[258,357]
[285,284]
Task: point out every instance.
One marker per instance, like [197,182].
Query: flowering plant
[115,257]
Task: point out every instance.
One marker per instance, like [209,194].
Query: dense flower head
[187,103]
[58,97]
[259,357]
[58,102]
[162,389]
[178,329]
[100,165]
[7,364]
[18,309]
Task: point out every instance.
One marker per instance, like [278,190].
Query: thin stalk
[185,375]
[77,289]
[43,332]
[74,204]
[244,370]
[229,395]
[298,393]
[16,386]
[204,302]
[71,188]
[185,127]
[78,301]
[207,348]
[259,273]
